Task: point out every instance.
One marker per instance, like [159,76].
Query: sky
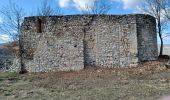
[70,7]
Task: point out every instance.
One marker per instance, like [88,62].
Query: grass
[8,75]
[149,81]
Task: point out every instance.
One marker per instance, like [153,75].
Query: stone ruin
[73,42]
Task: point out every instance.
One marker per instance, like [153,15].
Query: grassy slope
[149,81]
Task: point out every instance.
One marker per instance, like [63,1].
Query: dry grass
[149,81]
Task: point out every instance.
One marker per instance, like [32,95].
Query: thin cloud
[130,4]
[84,5]
[1,20]
[87,4]
[166,36]
[4,38]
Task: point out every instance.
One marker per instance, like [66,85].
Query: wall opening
[39,25]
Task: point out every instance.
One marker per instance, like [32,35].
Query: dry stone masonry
[63,43]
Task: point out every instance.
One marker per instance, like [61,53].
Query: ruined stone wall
[147,38]
[111,41]
[74,42]
[59,45]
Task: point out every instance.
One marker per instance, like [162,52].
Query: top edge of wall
[90,15]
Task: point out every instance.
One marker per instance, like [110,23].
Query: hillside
[8,52]
[8,49]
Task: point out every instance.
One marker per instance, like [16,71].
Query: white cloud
[84,5]
[130,4]
[87,4]
[4,38]
[64,3]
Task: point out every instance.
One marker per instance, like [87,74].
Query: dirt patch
[139,72]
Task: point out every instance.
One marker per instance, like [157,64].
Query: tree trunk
[161,47]
[160,36]
[23,70]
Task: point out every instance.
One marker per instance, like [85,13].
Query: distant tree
[13,16]
[46,9]
[97,7]
[155,8]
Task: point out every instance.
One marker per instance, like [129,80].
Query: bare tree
[97,7]
[13,16]
[166,12]
[46,9]
[166,9]
[155,8]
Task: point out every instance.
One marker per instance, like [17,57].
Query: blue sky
[30,6]
[70,7]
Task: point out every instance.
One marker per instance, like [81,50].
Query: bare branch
[12,18]
[155,8]
[98,7]
[46,10]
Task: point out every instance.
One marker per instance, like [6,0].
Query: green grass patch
[8,75]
